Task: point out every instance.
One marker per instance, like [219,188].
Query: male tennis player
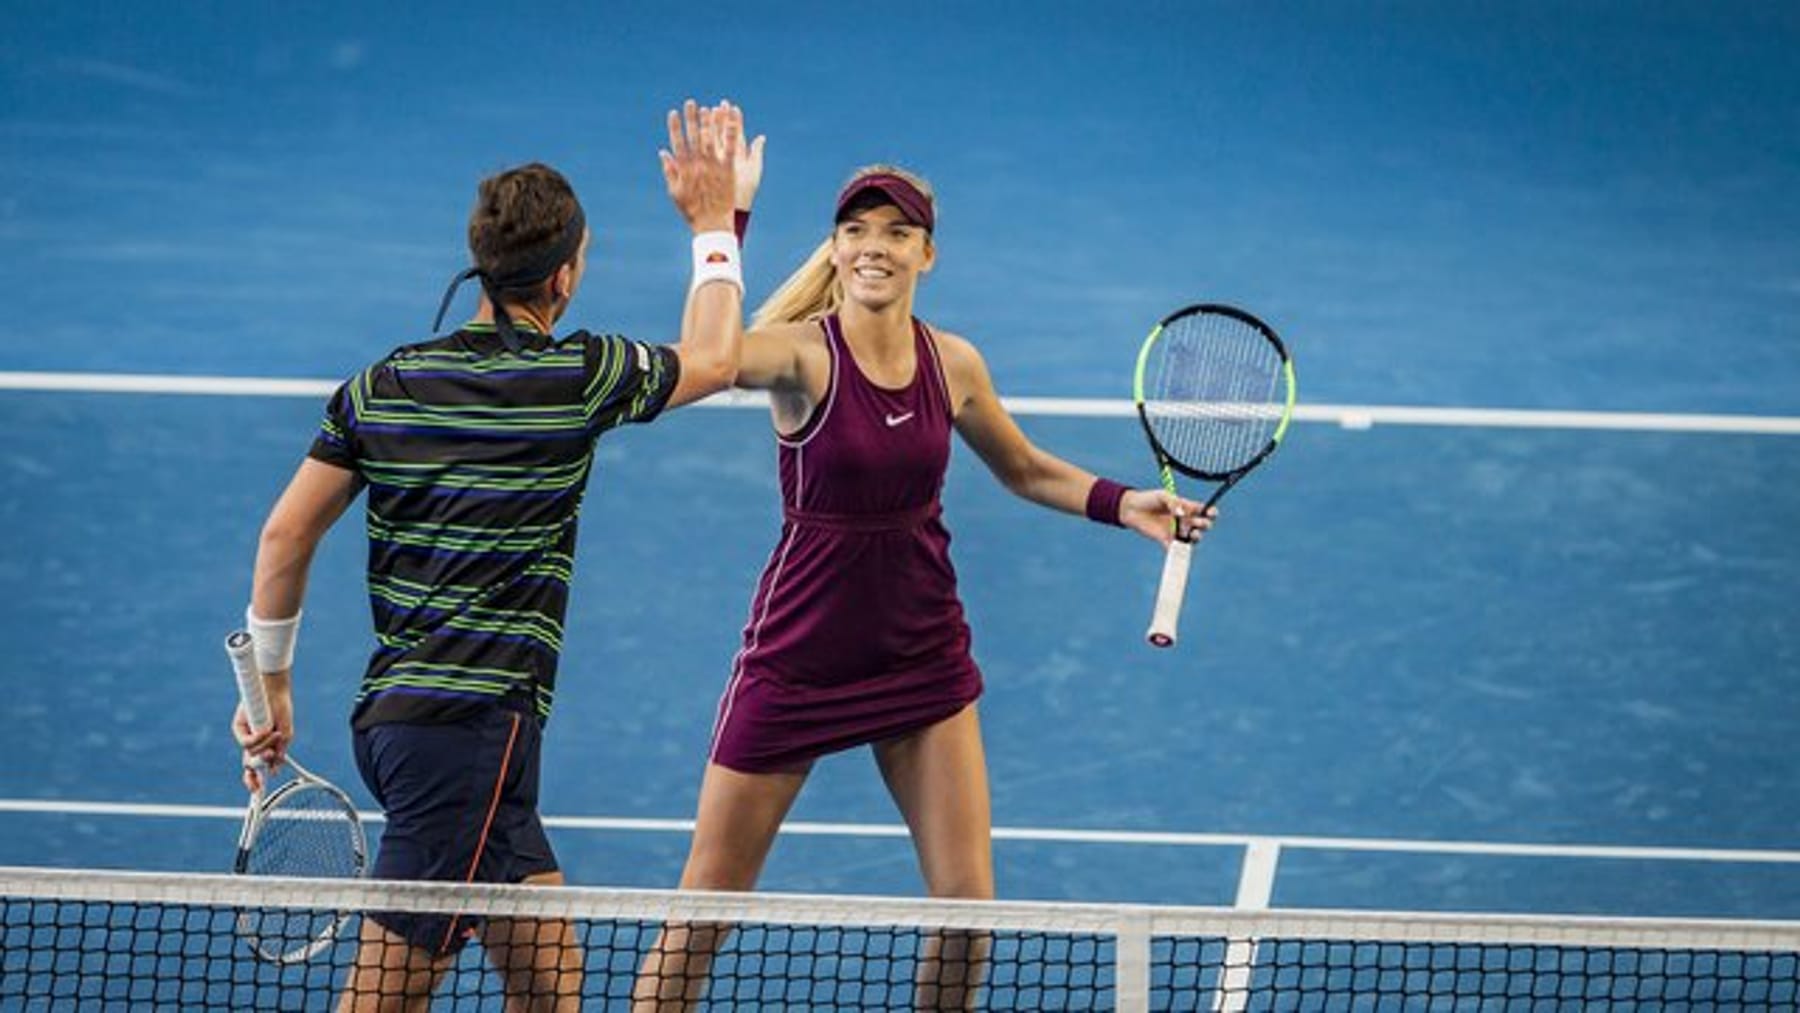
[475,449]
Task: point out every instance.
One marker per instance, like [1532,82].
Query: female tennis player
[856,634]
[475,449]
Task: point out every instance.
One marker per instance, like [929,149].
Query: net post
[1131,956]
[1256,885]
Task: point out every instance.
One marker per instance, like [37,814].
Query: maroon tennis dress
[855,633]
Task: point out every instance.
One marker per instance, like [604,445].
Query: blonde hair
[813,290]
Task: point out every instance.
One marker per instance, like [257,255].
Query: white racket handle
[1167,615]
[241,649]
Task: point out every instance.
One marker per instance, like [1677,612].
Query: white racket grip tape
[1169,593]
[240,647]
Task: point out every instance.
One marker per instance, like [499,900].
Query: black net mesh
[138,942]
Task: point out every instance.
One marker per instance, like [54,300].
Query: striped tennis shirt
[476,459]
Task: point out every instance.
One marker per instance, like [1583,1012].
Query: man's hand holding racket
[265,749]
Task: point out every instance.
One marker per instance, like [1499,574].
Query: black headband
[532,272]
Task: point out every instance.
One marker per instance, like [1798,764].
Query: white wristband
[274,640]
[717,258]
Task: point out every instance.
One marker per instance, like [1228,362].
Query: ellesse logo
[716,257]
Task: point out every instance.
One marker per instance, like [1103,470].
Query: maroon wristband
[1103,501]
[740,224]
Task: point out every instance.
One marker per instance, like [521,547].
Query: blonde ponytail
[812,291]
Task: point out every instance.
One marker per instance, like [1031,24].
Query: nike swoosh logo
[894,420]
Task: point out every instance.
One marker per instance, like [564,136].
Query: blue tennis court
[1514,662]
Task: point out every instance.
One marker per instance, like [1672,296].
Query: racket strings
[1216,396]
[308,831]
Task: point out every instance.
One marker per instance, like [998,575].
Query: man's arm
[314,499]
[700,167]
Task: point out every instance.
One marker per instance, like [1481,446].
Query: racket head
[1214,391]
[306,828]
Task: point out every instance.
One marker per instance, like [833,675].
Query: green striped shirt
[476,459]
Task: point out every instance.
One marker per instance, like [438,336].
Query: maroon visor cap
[899,191]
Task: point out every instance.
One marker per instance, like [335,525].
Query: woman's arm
[789,361]
[1038,475]
[772,357]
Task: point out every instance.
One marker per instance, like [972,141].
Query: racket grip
[1169,593]
[241,649]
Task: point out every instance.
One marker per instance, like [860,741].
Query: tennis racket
[1215,391]
[306,827]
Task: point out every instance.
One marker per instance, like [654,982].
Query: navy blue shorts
[461,805]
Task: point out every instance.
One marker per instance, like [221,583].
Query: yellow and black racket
[1215,391]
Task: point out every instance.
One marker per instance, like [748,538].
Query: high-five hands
[700,165]
[746,158]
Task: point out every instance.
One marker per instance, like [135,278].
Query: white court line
[1259,844]
[1347,416]
[149,383]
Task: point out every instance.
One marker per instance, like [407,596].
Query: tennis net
[81,939]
